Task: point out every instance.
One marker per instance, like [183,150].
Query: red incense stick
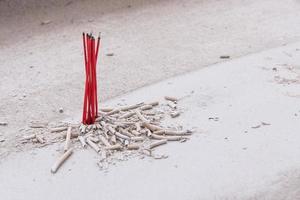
[85,88]
[97,51]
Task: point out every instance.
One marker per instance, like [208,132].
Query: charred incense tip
[158,143]
[133,147]
[99,35]
[169,98]
[61,160]
[68,139]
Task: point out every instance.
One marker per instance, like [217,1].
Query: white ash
[117,135]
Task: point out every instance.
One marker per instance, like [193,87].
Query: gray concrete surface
[41,69]
[228,158]
[41,66]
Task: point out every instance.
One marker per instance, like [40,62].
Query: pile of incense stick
[132,130]
[90,104]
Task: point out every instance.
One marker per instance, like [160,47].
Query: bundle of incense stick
[90,104]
